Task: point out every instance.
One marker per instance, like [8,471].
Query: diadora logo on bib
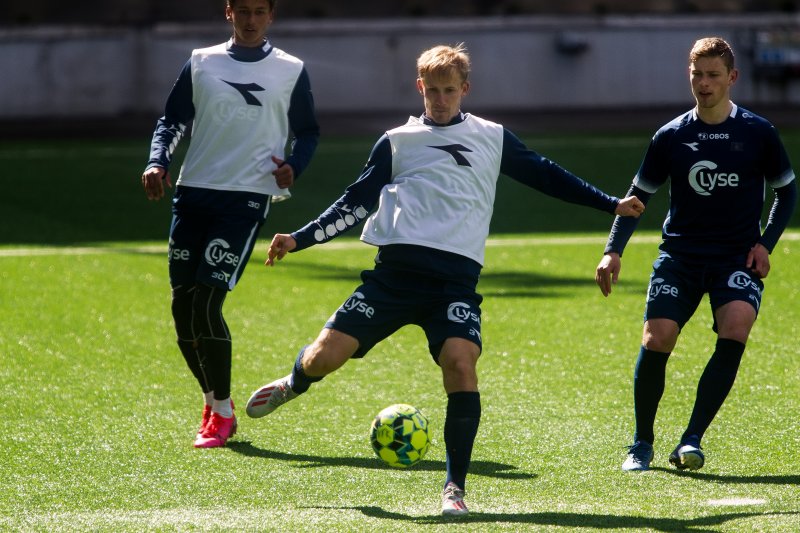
[356,303]
[247,90]
[217,253]
[455,150]
[703,179]
[658,288]
[226,107]
[460,312]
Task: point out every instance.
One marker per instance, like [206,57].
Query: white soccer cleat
[640,455]
[687,457]
[453,501]
[270,397]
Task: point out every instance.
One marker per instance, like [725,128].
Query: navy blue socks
[460,429]
[648,387]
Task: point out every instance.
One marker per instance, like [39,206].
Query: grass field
[100,411]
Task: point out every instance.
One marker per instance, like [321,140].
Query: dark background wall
[146,12]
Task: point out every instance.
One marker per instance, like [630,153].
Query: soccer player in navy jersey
[244,97]
[433,180]
[718,157]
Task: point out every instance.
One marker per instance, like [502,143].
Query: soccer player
[244,97]
[717,158]
[433,180]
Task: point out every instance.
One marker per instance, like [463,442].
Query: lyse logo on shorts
[742,280]
[459,312]
[217,254]
[658,287]
[356,303]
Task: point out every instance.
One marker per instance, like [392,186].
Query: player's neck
[717,114]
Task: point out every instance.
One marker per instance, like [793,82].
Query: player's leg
[458,359]
[673,296]
[453,331]
[327,353]
[230,242]
[186,238]
[733,321]
[216,352]
[369,315]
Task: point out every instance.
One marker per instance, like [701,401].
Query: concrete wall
[519,63]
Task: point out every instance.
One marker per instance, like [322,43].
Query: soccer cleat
[640,455]
[217,432]
[687,456]
[205,420]
[453,501]
[270,397]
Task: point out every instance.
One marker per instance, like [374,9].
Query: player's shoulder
[210,50]
[745,117]
[283,55]
[683,120]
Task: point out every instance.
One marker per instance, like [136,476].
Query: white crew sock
[223,407]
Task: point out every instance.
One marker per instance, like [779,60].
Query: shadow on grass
[493,283]
[596,521]
[790,479]
[480,468]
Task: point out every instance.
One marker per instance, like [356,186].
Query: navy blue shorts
[213,234]
[677,287]
[390,299]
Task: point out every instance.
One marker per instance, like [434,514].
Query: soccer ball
[399,435]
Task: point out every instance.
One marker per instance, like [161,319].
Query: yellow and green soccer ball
[399,435]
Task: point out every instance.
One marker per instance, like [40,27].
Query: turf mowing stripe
[346,245]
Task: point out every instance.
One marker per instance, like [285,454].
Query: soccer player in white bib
[244,97]
[433,181]
[718,159]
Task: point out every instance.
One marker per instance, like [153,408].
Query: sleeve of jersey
[779,215]
[526,166]
[178,112]
[623,227]
[358,200]
[303,123]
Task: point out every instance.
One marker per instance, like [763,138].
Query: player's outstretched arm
[281,245]
[630,206]
[607,272]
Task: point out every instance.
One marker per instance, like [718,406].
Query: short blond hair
[444,59]
[713,47]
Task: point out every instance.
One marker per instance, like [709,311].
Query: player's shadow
[480,468]
[493,283]
[577,520]
[788,479]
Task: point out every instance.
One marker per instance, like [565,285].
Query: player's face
[250,19]
[442,94]
[711,82]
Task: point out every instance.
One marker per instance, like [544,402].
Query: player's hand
[284,174]
[758,260]
[629,207]
[281,245]
[153,180]
[607,272]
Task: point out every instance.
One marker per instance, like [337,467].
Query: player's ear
[420,86]
[733,76]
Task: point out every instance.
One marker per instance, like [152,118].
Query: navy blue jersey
[717,181]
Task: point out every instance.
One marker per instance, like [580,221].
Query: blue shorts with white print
[389,299]
[213,234]
[677,287]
